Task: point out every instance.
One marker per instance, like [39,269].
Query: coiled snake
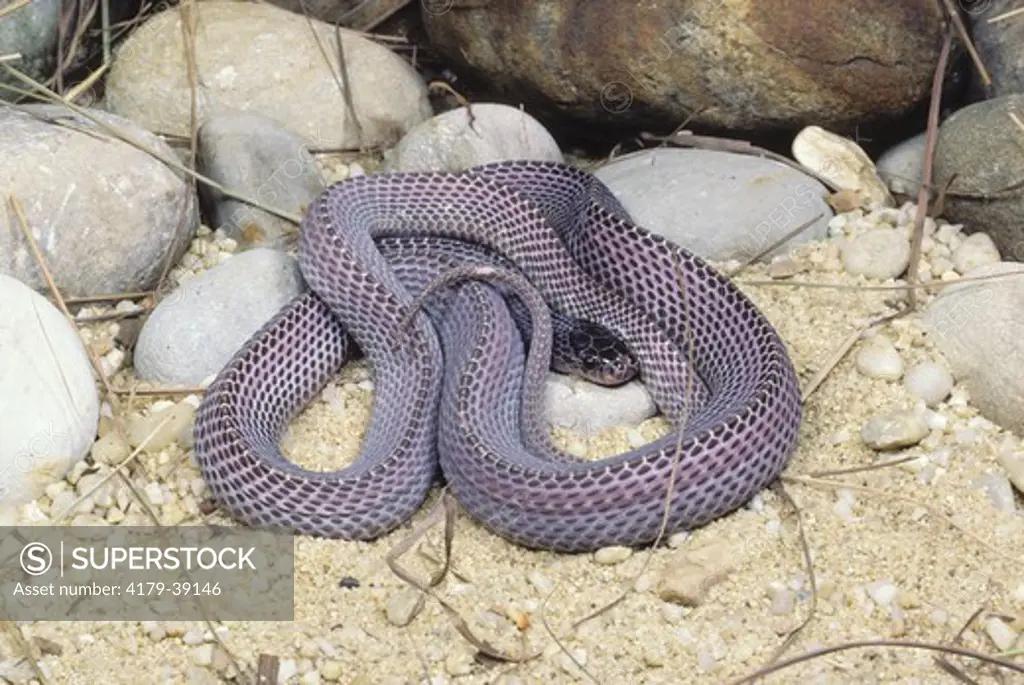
[455,387]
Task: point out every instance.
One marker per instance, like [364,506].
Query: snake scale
[459,392]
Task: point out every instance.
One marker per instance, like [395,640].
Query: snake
[459,392]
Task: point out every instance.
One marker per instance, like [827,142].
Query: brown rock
[753,64]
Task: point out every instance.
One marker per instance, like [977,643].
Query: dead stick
[926,173]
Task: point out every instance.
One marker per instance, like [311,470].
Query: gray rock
[255,156]
[978,328]
[1001,47]
[900,166]
[30,31]
[587,408]
[975,145]
[881,253]
[194,332]
[719,205]
[450,142]
[49,408]
[263,59]
[106,216]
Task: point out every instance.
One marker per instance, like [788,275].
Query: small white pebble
[193,637]
[203,655]
[930,381]
[539,580]
[609,556]
[883,592]
[976,250]
[1000,633]
[286,668]
[881,254]
[878,358]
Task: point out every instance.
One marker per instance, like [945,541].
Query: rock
[719,205]
[841,161]
[690,573]
[999,490]
[880,254]
[1012,462]
[1002,635]
[106,216]
[610,556]
[978,328]
[968,142]
[31,31]
[586,408]
[1001,48]
[900,166]
[256,157]
[878,358]
[894,430]
[49,407]
[265,60]
[195,332]
[735,66]
[452,142]
[164,427]
[403,607]
[929,381]
[884,592]
[976,250]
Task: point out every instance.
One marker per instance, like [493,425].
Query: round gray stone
[196,330]
[719,205]
[106,216]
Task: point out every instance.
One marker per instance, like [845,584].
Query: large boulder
[750,64]
[107,216]
[266,60]
[49,407]
[975,151]
[32,32]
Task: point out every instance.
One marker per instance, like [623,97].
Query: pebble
[782,599]
[690,573]
[286,668]
[193,637]
[879,254]
[1003,636]
[878,358]
[1012,461]
[539,580]
[999,491]
[976,250]
[332,670]
[179,420]
[894,430]
[459,663]
[930,381]
[883,592]
[203,655]
[404,606]
[111,449]
[610,556]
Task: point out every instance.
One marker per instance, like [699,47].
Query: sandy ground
[906,552]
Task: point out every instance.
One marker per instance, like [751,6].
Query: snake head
[600,357]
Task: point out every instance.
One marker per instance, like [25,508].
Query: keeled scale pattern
[478,404]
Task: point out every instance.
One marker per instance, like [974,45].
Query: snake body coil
[454,388]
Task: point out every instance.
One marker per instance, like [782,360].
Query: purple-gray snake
[460,393]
